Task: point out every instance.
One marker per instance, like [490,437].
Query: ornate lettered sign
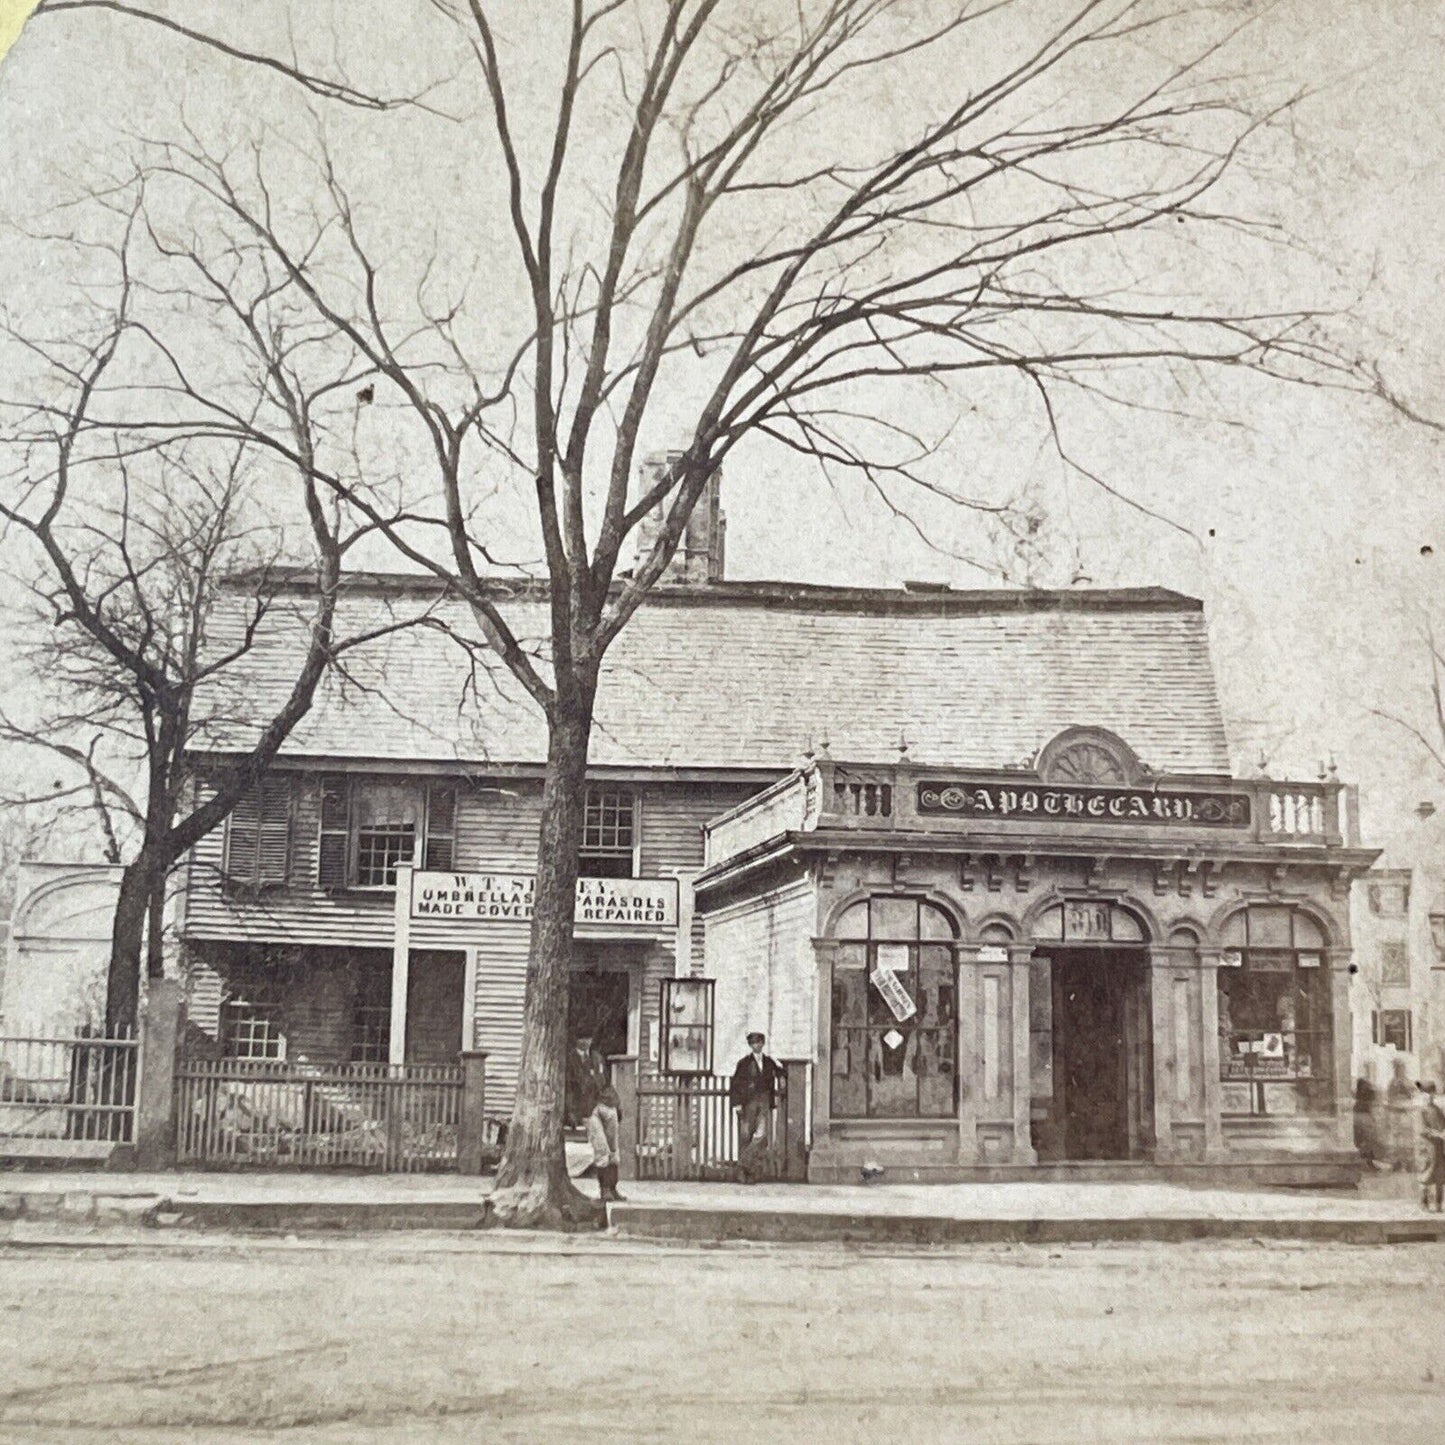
[1008,802]
[503,897]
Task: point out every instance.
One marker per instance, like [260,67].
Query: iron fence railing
[80,1088]
[277,1113]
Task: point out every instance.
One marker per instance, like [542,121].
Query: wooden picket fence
[687,1130]
[270,1113]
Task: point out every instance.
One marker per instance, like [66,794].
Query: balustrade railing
[867,797]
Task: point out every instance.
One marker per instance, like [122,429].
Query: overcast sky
[1318,526]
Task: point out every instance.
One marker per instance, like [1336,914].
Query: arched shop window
[1275,1025]
[895,1012]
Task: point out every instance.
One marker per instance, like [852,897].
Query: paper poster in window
[893,956]
[894,994]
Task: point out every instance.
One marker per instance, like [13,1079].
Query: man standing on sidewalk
[754,1094]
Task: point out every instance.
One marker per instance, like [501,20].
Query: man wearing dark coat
[754,1094]
[586,1079]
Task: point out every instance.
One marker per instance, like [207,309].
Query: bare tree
[155,563]
[720,222]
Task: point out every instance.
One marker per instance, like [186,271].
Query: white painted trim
[400,967]
[469,1000]
[682,942]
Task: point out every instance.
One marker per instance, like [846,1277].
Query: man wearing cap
[754,1094]
[1432,1144]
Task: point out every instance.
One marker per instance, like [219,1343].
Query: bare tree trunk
[533,1189]
[155,927]
[127,939]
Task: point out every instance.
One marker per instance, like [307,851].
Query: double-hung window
[371,827]
[251,1024]
[609,834]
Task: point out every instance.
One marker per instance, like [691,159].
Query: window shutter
[335,839]
[273,849]
[243,830]
[439,853]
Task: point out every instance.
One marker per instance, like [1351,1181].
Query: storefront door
[1097,1055]
[597,1004]
[434,987]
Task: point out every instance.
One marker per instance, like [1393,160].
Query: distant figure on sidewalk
[1432,1143]
[1367,1131]
[1399,1126]
[754,1094]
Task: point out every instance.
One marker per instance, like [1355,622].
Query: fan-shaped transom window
[1088,756]
[888,916]
[1088,921]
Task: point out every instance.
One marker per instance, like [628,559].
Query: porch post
[1024,1152]
[1209,1052]
[1338,962]
[400,967]
[155,1124]
[682,938]
[471,1127]
[1161,1030]
[624,1080]
[970,1075]
[795,1122]
[823,950]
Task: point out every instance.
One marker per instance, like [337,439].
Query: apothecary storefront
[1159,983]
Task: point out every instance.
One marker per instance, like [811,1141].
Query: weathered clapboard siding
[672,839]
[497,825]
[672,819]
[298,913]
[497,1009]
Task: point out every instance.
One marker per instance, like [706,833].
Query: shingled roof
[742,675]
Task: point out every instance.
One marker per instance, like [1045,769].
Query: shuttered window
[333,856]
[441,827]
[258,835]
[369,828]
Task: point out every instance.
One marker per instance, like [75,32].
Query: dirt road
[462,1338]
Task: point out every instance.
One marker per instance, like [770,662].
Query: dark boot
[612,1172]
[604,1193]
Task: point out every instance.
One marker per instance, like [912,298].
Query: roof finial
[823,744]
[902,746]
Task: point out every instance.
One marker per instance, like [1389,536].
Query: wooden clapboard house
[979,857]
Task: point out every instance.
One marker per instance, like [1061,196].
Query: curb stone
[719,1226]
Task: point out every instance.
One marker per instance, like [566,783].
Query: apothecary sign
[507,897]
[1144,806]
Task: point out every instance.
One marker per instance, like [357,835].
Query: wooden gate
[71,1096]
[688,1129]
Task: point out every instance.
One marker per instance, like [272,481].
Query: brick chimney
[698,559]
